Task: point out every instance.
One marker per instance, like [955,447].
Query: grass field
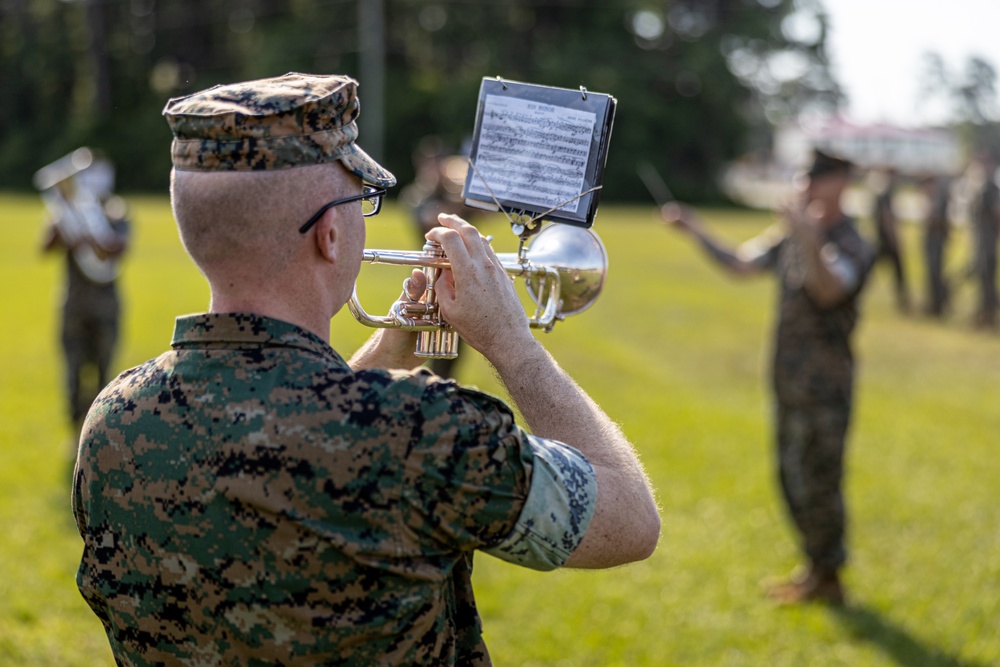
[674,352]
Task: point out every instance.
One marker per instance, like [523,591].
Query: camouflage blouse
[249,499]
[813,361]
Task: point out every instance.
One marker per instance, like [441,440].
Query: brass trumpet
[564,268]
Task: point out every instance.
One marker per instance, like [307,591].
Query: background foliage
[697,80]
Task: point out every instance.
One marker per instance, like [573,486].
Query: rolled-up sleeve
[558,509]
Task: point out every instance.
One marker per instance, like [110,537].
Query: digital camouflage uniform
[889,245]
[985,234]
[813,372]
[249,499]
[937,228]
[90,317]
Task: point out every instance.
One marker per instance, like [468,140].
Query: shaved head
[244,225]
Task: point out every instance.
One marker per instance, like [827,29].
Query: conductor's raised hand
[803,219]
[679,216]
[476,295]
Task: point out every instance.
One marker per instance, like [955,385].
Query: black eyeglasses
[371,204]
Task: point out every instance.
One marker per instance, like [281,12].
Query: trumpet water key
[564,269]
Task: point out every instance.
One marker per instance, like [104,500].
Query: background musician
[91,308]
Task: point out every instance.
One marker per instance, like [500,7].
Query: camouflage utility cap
[295,120]
[824,163]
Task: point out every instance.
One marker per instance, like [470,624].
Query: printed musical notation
[533,152]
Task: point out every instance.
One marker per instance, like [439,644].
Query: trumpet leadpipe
[405,258]
[514,266]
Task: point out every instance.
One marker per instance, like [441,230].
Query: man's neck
[287,310]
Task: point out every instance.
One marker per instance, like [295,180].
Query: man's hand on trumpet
[476,295]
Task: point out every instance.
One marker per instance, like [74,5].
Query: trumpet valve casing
[438,344]
[441,343]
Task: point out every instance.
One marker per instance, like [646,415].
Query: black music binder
[539,151]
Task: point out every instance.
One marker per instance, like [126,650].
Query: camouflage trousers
[88,342]
[937,286]
[988,302]
[811,444]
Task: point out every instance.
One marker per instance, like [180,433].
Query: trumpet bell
[579,256]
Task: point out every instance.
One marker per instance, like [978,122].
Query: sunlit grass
[675,352]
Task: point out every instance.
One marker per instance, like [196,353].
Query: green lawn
[674,352]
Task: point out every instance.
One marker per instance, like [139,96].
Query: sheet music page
[533,152]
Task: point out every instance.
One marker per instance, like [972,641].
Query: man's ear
[325,235]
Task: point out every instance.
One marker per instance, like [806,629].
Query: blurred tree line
[969,96]
[698,81]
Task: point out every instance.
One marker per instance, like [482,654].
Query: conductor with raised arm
[249,497]
[821,263]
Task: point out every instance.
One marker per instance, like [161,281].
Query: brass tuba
[72,188]
[564,269]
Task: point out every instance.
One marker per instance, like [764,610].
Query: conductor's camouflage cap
[825,162]
[295,120]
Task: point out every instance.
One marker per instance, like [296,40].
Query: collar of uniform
[244,329]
